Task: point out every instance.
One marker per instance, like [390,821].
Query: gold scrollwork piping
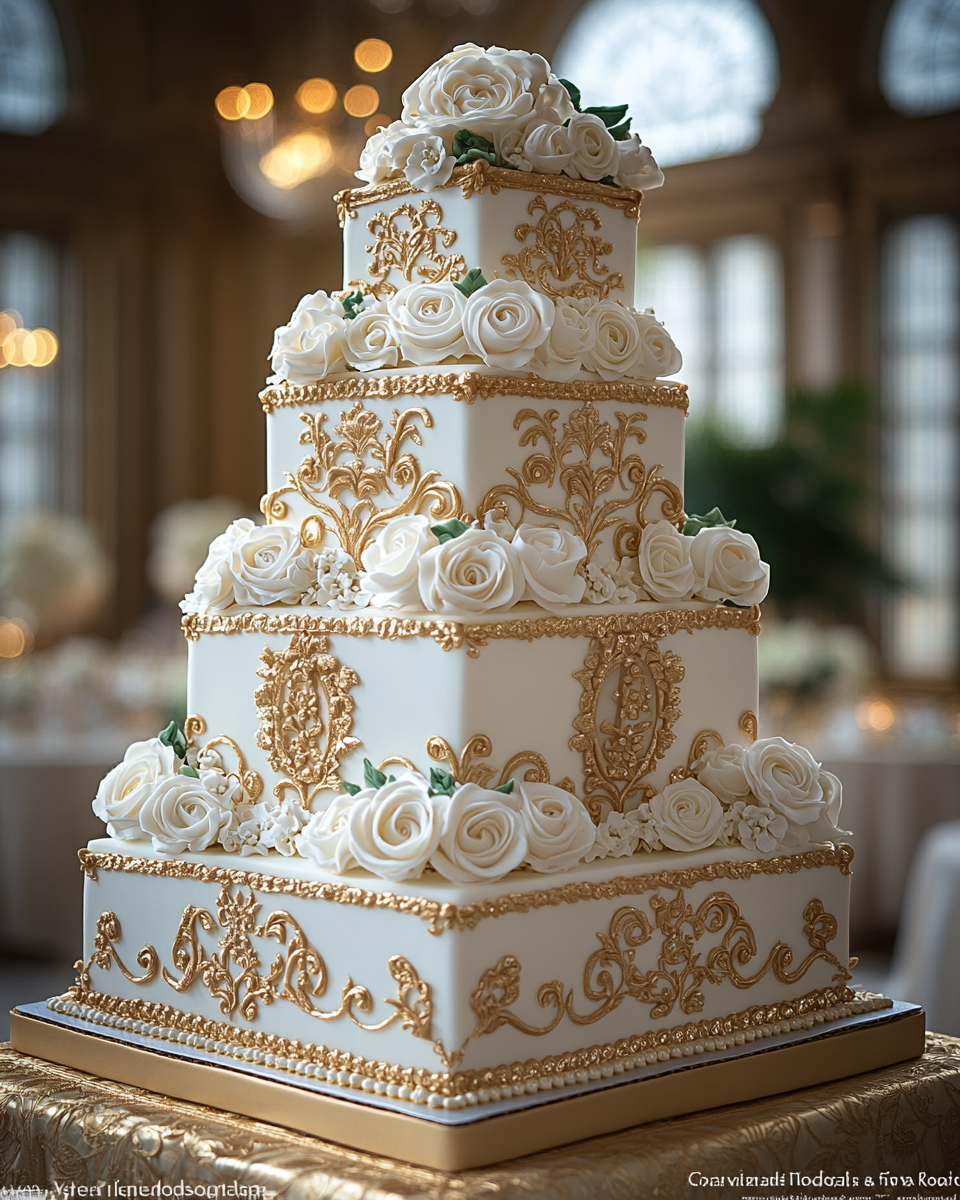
[469,386]
[706,740]
[561,251]
[194,727]
[463,917]
[322,474]
[455,1084]
[465,770]
[480,175]
[394,248]
[748,725]
[306,713]
[104,953]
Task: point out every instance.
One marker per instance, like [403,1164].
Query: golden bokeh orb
[244,103]
[316,95]
[362,100]
[375,122]
[373,54]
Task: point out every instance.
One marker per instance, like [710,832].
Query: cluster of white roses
[717,563]
[476,834]
[191,804]
[770,795]
[513,101]
[504,324]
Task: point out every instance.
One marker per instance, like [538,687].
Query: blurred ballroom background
[165,183]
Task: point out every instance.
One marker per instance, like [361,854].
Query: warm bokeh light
[10,320]
[16,637]
[238,103]
[299,157]
[375,122]
[878,715]
[373,55]
[361,100]
[316,95]
[21,347]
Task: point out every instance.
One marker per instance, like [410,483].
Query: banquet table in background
[58,1124]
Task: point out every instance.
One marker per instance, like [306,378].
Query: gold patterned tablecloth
[61,1125]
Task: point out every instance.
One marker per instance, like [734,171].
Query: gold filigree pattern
[749,726]
[563,250]
[469,386]
[322,474]
[705,741]
[465,770]
[444,916]
[104,953]
[397,249]
[597,476]
[629,704]
[306,714]
[480,175]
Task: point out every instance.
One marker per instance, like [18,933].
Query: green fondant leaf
[621,132]
[442,783]
[468,146]
[191,771]
[173,736]
[471,282]
[714,519]
[350,788]
[372,777]
[608,179]
[351,304]
[609,114]
[573,92]
[449,530]
[506,788]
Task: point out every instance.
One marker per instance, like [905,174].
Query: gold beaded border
[458,1083]
[468,386]
[463,917]
[479,176]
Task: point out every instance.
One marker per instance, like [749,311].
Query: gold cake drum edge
[878,1040]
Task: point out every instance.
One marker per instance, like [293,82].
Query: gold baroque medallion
[564,259]
[480,175]
[443,916]
[374,467]
[306,714]
[469,386]
[412,250]
[603,485]
[629,704]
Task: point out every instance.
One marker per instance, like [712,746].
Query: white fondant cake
[471,801]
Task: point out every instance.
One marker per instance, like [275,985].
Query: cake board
[461,1139]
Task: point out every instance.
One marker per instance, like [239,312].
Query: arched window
[32,67]
[920,57]
[698,74]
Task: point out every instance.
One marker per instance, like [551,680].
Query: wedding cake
[471,812]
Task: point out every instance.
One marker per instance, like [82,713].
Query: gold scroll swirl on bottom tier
[233,975]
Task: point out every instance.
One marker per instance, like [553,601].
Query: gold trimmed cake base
[877,1042]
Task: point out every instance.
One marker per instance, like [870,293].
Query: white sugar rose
[372,338]
[786,778]
[618,836]
[761,828]
[826,827]
[637,168]
[394,831]
[549,558]
[664,562]
[547,149]
[429,317]
[505,321]
[310,345]
[558,827]
[325,839]
[483,836]
[181,814]
[386,152]
[723,773]
[729,566]
[595,153]
[481,90]
[391,561]
[688,816]
[475,572]
[123,790]
[659,356]
[254,565]
[428,164]
[617,347]
[571,339]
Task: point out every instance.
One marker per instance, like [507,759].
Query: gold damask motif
[462,917]
[108,932]
[322,474]
[469,386]
[749,726]
[480,175]
[465,770]
[306,714]
[576,461]
[563,250]
[629,704]
[398,249]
